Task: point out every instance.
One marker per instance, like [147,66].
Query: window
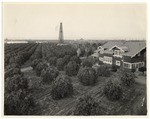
[118,63]
[140,64]
[127,65]
[107,60]
[137,65]
[117,52]
[133,66]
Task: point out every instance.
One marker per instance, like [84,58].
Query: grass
[48,106]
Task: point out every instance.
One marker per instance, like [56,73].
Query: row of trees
[62,86]
[17,99]
[19,56]
[113,90]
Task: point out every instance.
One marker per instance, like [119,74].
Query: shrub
[12,71]
[52,61]
[60,64]
[71,68]
[114,68]
[35,63]
[49,74]
[142,69]
[87,76]
[87,105]
[76,59]
[12,65]
[66,59]
[100,63]
[113,90]
[16,83]
[40,67]
[87,63]
[127,77]
[61,87]
[103,70]
[18,103]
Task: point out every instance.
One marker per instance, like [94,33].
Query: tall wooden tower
[61,37]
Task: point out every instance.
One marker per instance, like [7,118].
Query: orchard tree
[71,68]
[60,64]
[52,61]
[35,63]
[113,89]
[12,71]
[103,70]
[66,59]
[127,77]
[76,59]
[40,67]
[19,103]
[87,76]
[49,74]
[87,63]
[16,83]
[87,105]
[61,87]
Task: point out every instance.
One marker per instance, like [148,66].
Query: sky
[80,20]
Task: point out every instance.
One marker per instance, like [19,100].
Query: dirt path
[26,69]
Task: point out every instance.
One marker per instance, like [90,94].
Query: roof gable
[131,48]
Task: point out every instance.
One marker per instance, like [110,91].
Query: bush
[113,90]
[16,83]
[87,76]
[66,59]
[142,69]
[114,68]
[87,105]
[71,68]
[103,70]
[35,63]
[127,77]
[87,63]
[100,63]
[52,61]
[60,64]
[76,59]
[61,87]
[12,65]
[49,74]
[12,71]
[18,103]
[40,67]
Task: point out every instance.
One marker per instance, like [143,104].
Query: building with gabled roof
[126,54]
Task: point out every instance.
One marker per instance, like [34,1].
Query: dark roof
[131,48]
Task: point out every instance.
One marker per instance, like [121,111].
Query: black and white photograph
[74,59]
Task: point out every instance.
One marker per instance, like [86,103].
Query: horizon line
[74,39]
